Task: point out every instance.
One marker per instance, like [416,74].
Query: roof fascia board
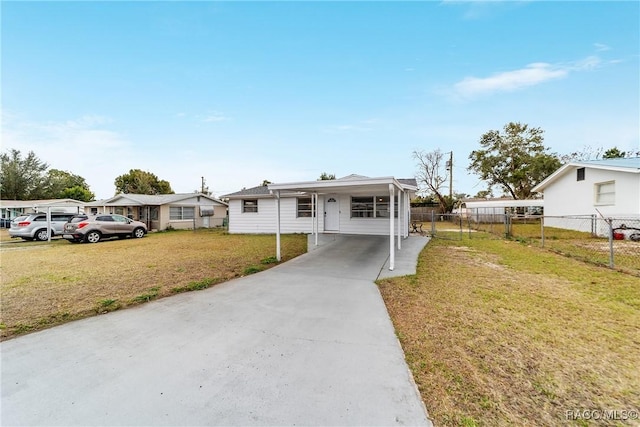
[336,183]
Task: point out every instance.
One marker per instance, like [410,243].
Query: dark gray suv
[34,226]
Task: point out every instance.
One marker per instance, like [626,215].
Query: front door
[331,214]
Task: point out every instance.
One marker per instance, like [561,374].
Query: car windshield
[20,218]
[77,218]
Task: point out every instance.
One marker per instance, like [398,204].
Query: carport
[398,190]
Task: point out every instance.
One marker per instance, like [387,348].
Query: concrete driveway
[308,342]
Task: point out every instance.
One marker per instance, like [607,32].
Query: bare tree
[431,175]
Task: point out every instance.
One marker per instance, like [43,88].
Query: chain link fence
[611,242]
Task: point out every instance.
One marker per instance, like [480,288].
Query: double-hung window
[250,206]
[181,212]
[605,193]
[304,207]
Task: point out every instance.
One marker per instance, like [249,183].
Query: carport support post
[399,230]
[315,198]
[278,256]
[392,254]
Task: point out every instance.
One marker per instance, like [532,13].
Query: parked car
[93,228]
[34,226]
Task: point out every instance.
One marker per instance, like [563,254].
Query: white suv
[34,226]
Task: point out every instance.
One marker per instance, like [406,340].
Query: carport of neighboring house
[394,218]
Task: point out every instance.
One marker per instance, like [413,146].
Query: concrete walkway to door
[308,342]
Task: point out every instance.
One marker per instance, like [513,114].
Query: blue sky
[239,92]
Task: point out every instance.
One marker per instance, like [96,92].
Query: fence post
[542,230]
[610,222]
[594,225]
[507,225]
[433,223]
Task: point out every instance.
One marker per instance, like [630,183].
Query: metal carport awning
[352,186]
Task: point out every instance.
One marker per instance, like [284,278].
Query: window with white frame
[362,207]
[382,207]
[605,193]
[372,207]
[304,207]
[181,212]
[250,206]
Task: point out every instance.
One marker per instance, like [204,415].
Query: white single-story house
[10,209]
[608,188]
[354,204]
[163,211]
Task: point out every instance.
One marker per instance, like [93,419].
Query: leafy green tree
[77,193]
[326,176]
[515,160]
[58,183]
[21,178]
[141,182]
[614,153]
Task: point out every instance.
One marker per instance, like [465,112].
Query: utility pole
[449,165]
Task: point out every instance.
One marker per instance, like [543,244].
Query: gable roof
[261,190]
[628,165]
[124,199]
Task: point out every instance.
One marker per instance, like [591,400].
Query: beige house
[165,211]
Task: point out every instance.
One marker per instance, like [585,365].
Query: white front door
[331,214]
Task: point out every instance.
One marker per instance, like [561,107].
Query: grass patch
[498,333]
[151,293]
[42,280]
[196,285]
[252,270]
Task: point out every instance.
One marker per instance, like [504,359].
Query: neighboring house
[163,211]
[354,204]
[607,188]
[10,209]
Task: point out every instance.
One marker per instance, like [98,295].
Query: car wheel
[41,235]
[93,237]
[138,233]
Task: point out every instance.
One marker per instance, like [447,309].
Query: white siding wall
[567,196]
[348,225]
[264,221]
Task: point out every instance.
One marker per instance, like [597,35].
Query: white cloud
[214,117]
[600,47]
[531,75]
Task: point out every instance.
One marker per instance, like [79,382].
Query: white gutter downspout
[278,255]
[392,254]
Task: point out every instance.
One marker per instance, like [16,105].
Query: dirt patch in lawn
[47,284]
[498,334]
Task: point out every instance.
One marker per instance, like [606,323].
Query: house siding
[264,221]
[570,197]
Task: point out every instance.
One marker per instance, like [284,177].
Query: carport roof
[352,184]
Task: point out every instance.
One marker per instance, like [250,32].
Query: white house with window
[163,211]
[608,187]
[354,204]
